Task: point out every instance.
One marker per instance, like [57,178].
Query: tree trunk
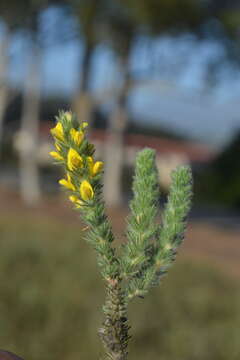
[114,148]
[3,81]
[82,102]
[28,144]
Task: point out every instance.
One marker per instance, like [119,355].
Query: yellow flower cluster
[80,167]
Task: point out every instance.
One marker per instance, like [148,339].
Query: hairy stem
[114,330]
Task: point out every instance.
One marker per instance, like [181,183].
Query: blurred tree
[28,135]
[87,12]
[220,183]
[4,61]
[14,17]
[227,12]
[167,15]
[126,19]
[117,23]
[13,14]
[24,15]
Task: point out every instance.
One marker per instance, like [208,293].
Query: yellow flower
[57,132]
[84,125]
[56,155]
[77,136]
[74,199]
[67,183]
[97,167]
[94,169]
[86,190]
[74,160]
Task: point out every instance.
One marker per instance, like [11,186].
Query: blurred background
[158,73]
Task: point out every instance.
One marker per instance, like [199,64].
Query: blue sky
[174,95]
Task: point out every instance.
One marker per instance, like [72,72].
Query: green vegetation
[219,184]
[50,298]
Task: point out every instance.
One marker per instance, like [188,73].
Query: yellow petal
[74,160]
[69,178]
[57,132]
[86,190]
[58,147]
[84,125]
[74,199]
[67,184]
[64,183]
[56,155]
[77,136]
[97,167]
[90,160]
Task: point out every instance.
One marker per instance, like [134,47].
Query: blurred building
[170,153]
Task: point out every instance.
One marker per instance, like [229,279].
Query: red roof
[194,151]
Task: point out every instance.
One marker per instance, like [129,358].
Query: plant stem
[114,330]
